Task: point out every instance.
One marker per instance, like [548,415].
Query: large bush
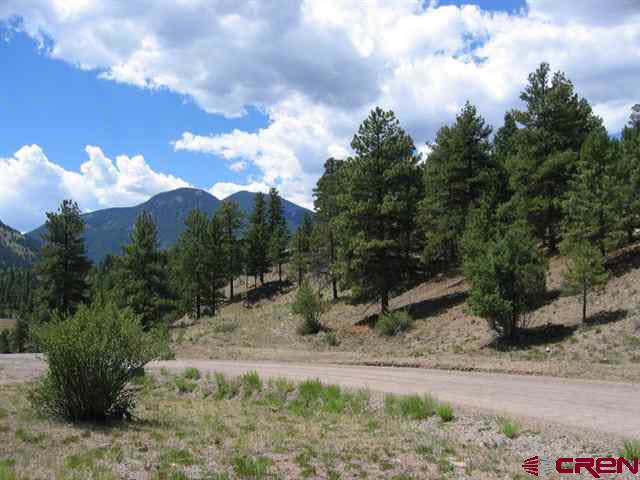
[92,357]
[394,323]
[310,307]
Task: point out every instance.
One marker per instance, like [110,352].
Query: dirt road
[602,406]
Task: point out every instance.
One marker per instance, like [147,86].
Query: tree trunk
[584,303]
[334,286]
[261,278]
[197,307]
[231,289]
[384,302]
[280,272]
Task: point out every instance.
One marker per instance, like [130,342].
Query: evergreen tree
[63,265]
[193,270]
[143,275]
[585,270]
[301,248]
[507,276]
[215,261]
[460,170]
[554,125]
[505,141]
[277,231]
[591,207]
[628,154]
[232,222]
[258,240]
[325,238]
[378,207]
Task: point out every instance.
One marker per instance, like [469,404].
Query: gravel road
[606,407]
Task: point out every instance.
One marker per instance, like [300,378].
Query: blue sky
[122,103]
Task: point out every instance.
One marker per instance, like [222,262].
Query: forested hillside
[16,250]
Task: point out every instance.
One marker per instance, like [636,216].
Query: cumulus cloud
[316,67]
[31,184]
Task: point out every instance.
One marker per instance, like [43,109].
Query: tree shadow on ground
[604,318]
[535,336]
[423,309]
[266,291]
[625,260]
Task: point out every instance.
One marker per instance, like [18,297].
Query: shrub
[184,385]
[393,323]
[251,383]
[92,357]
[225,388]
[309,306]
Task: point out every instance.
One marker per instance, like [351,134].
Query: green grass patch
[191,373]
[313,397]
[177,456]
[184,385]
[414,407]
[251,384]
[225,388]
[86,460]
[29,437]
[631,449]
[394,323]
[445,412]
[245,466]
[509,427]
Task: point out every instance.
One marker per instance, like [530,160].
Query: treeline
[495,206]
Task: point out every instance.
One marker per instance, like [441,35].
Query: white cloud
[222,190]
[317,67]
[31,184]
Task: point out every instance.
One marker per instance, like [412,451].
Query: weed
[191,373]
[29,437]
[631,449]
[225,388]
[249,467]
[445,412]
[185,385]
[225,327]
[178,457]
[7,469]
[509,428]
[251,383]
[86,460]
[413,407]
[331,339]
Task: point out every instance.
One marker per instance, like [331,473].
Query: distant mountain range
[108,230]
[16,249]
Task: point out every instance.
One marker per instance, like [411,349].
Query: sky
[110,102]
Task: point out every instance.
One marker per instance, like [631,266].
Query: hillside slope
[107,231]
[16,250]
[445,334]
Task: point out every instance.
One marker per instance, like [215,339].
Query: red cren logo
[532,465]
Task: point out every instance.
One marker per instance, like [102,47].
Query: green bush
[393,323]
[445,412]
[309,306]
[92,357]
[631,449]
[510,428]
[413,407]
[251,383]
[191,373]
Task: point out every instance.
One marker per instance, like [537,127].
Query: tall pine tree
[258,240]
[555,124]
[63,265]
[277,231]
[232,222]
[191,252]
[629,174]
[301,248]
[378,207]
[144,281]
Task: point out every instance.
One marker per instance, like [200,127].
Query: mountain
[293,213]
[108,230]
[16,249]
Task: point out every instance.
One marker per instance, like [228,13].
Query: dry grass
[245,428]
[444,335]
[7,324]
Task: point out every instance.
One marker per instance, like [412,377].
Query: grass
[249,467]
[631,449]
[251,384]
[445,412]
[394,323]
[191,373]
[509,428]
[414,407]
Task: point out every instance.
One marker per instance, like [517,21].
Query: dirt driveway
[607,407]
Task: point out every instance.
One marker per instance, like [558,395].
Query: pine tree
[591,207]
[507,276]
[301,248]
[585,270]
[277,231]
[144,281]
[258,240]
[628,155]
[378,207]
[214,260]
[63,264]
[554,125]
[325,238]
[232,223]
[460,170]
[191,252]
